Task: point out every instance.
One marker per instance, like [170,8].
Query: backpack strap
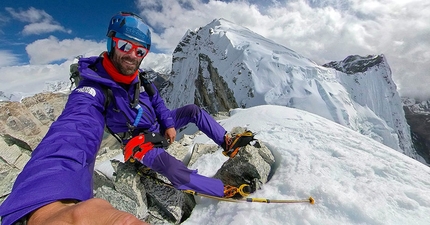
[107,92]
[146,83]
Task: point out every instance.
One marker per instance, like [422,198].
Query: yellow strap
[240,190]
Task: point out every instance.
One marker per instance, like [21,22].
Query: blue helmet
[128,26]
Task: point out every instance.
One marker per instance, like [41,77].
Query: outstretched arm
[93,211]
[61,167]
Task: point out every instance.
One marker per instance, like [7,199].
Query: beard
[125,64]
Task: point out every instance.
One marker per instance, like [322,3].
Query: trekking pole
[260,200]
[264,200]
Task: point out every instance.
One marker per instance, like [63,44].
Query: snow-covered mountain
[369,83]
[223,66]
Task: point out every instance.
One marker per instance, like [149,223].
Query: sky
[352,178]
[41,33]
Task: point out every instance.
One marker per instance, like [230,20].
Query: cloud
[7,58]
[157,62]
[320,30]
[39,21]
[170,19]
[41,28]
[28,80]
[31,15]
[45,51]
[51,49]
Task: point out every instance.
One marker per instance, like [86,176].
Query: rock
[250,163]
[128,193]
[30,119]
[10,153]
[8,176]
[166,202]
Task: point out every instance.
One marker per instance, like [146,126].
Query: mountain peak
[355,63]
[222,66]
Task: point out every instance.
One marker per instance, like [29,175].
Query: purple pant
[181,177]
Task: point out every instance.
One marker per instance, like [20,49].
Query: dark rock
[355,63]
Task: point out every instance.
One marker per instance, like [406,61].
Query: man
[55,187]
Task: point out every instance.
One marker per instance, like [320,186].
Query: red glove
[137,147]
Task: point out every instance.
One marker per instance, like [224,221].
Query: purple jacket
[61,167]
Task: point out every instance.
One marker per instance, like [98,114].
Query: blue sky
[35,33]
[73,18]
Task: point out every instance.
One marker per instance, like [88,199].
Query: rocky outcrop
[212,92]
[418,116]
[30,119]
[355,63]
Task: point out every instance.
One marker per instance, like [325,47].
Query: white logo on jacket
[141,89]
[88,90]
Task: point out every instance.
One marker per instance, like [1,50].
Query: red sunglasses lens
[126,46]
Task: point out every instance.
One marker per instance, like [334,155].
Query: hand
[170,134]
[94,211]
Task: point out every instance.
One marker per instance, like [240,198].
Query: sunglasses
[127,46]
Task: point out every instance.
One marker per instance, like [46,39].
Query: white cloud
[39,21]
[45,51]
[41,28]
[31,15]
[158,62]
[7,58]
[320,30]
[51,49]
[28,80]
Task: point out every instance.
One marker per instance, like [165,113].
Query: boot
[232,143]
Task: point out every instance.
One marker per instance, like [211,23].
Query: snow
[258,71]
[353,178]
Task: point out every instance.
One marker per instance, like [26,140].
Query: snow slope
[353,179]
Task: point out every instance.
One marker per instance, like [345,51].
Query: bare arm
[94,211]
